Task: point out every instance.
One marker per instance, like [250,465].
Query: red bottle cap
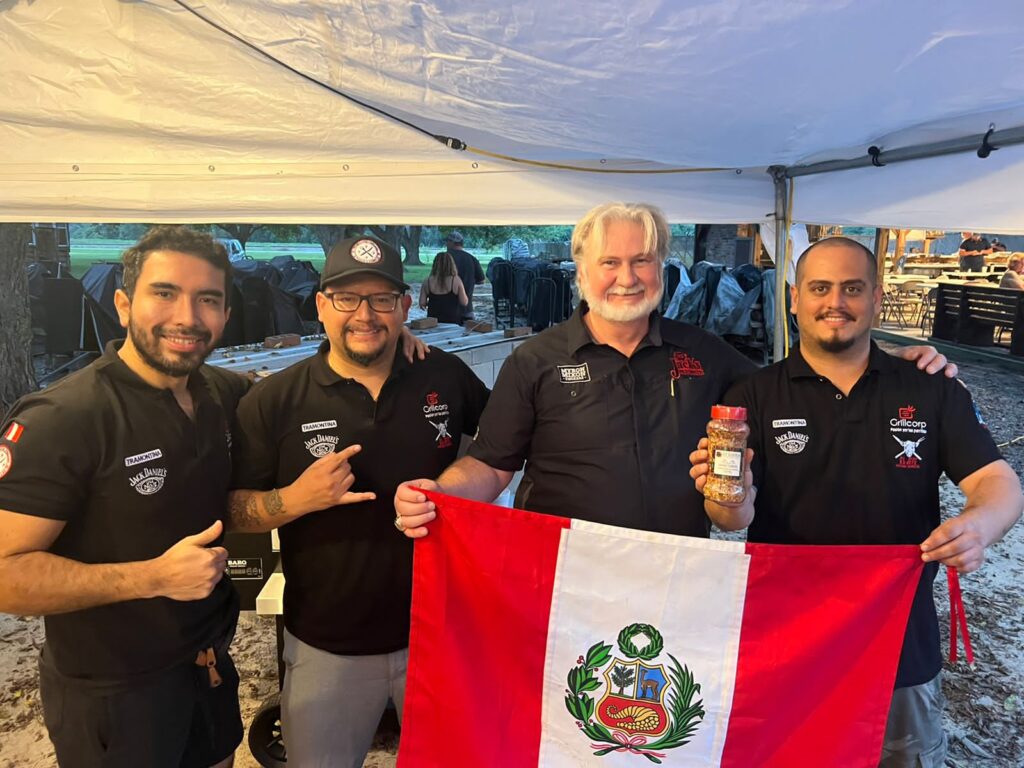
[728,412]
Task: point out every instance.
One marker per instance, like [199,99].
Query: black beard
[837,345]
[184,367]
[361,358]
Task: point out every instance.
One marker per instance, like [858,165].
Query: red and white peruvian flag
[540,640]
[13,432]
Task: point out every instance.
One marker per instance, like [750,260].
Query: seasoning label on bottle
[728,463]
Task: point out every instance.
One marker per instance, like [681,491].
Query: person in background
[442,293]
[468,267]
[1013,277]
[973,251]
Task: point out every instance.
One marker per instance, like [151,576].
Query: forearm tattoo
[273,504]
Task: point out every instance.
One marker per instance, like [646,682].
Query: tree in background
[17,375]
[401,237]
[241,232]
[328,234]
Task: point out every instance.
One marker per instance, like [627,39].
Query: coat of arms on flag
[537,641]
[631,714]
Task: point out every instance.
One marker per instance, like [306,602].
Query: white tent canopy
[123,110]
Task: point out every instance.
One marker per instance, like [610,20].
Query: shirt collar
[798,368]
[323,374]
[111,365]
[579,336]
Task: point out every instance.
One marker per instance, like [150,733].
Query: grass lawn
[85,253]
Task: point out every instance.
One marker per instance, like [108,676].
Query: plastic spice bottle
[727,445]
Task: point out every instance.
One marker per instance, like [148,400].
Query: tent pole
[778,173]
[985,142]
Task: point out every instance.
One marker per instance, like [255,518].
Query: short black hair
[840,240]
[175,237]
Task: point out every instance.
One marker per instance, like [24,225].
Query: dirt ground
[985,705]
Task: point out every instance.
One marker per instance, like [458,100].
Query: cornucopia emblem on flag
[641,707]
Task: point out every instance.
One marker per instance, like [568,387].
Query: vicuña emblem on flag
[641,708]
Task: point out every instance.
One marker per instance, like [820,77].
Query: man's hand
[413,509]
[325,483]
[412,346]
[928,359]
[994,504]
[190,569]
[959,542]
[700,467]
[728,516]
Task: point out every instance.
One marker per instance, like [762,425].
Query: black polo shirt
[863,469]
[348,572]
[975,244]
[130,474]
[607,437]
[974,263]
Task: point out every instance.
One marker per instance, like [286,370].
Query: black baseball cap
[363,256]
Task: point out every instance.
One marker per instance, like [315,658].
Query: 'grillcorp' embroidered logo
[149,481]
[142,458]
[574,374]
[321,445]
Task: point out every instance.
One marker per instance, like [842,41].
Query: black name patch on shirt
[573,374]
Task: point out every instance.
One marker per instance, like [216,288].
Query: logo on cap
[366,251]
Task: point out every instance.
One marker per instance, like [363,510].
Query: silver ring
[398,523]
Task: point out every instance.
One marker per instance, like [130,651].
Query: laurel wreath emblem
[685,713]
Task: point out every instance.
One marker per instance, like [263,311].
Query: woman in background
[442,294]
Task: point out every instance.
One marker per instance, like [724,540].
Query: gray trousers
[331,704]
[914,737]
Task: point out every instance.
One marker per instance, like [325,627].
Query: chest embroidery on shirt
[321,445]
[5,460]
[142,458]
[685,365]
[574,374]
[436,413]
[313,426]
[788,423]
[792,442]
[149,481]
[904,428]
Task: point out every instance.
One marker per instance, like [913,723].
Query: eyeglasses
[349,302]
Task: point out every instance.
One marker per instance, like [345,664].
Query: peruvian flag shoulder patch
[13,432]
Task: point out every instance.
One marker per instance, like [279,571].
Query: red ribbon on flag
[629,744]
[957,617]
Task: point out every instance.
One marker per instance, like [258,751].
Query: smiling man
[322,447]
[604,408]
[848,445]
[113,485]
